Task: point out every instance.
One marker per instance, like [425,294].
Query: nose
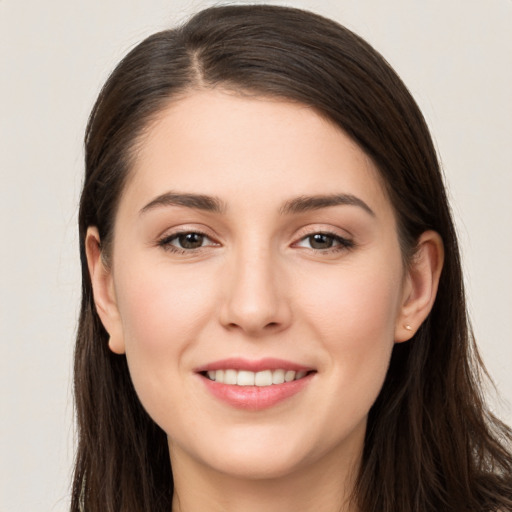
[255,300]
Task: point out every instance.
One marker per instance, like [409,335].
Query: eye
[186,241]
[324,242]
[189,240]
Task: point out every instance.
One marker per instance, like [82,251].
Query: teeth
[277,376]
[289,376]
[230,377]
[263,378]
[247,378]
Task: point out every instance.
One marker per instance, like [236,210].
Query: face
[256,284]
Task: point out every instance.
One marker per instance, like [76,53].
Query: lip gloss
[238,363]
[255,398]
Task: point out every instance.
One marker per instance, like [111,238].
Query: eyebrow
[307,203]
[213,204]
[196,201]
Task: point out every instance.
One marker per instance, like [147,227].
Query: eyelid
[177,235]
[186,228]
[326,229]
[164,240]
[345,241]
[342,241]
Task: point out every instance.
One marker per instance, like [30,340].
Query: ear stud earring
[408,327]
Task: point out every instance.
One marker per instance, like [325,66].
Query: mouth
[255,385]
[262,378]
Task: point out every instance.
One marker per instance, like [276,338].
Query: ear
[103,290]
[420,285]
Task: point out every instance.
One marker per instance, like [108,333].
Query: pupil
[191,240]
[320,241]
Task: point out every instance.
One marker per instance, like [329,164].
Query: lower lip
[256,398]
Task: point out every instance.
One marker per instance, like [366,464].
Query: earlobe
[103,290]
[420,285]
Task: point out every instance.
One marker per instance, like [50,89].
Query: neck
[324,486]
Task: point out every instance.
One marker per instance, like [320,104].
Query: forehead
[248,148]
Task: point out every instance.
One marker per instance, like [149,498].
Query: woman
[273,303]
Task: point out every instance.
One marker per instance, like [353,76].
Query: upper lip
[235,363]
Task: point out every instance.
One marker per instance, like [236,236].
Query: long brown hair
[431,444]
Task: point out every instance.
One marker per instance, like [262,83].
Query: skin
[257,288]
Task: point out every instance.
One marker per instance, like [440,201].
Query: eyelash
[166,242]
[342,244]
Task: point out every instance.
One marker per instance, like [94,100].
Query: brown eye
[186,241]
[190,240]
[321,241]
[325,242]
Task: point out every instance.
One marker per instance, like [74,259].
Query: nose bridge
[254,301]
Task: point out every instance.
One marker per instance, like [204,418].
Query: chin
[244,453]
[253,453]
[257,464]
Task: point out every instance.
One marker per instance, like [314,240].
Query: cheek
[354,316]
[162,313]
[361,303]
[160,307]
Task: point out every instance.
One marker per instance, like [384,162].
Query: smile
[261,379]
[255,385]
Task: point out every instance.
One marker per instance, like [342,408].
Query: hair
[431,444]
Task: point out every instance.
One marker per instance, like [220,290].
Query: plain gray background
[454,56]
